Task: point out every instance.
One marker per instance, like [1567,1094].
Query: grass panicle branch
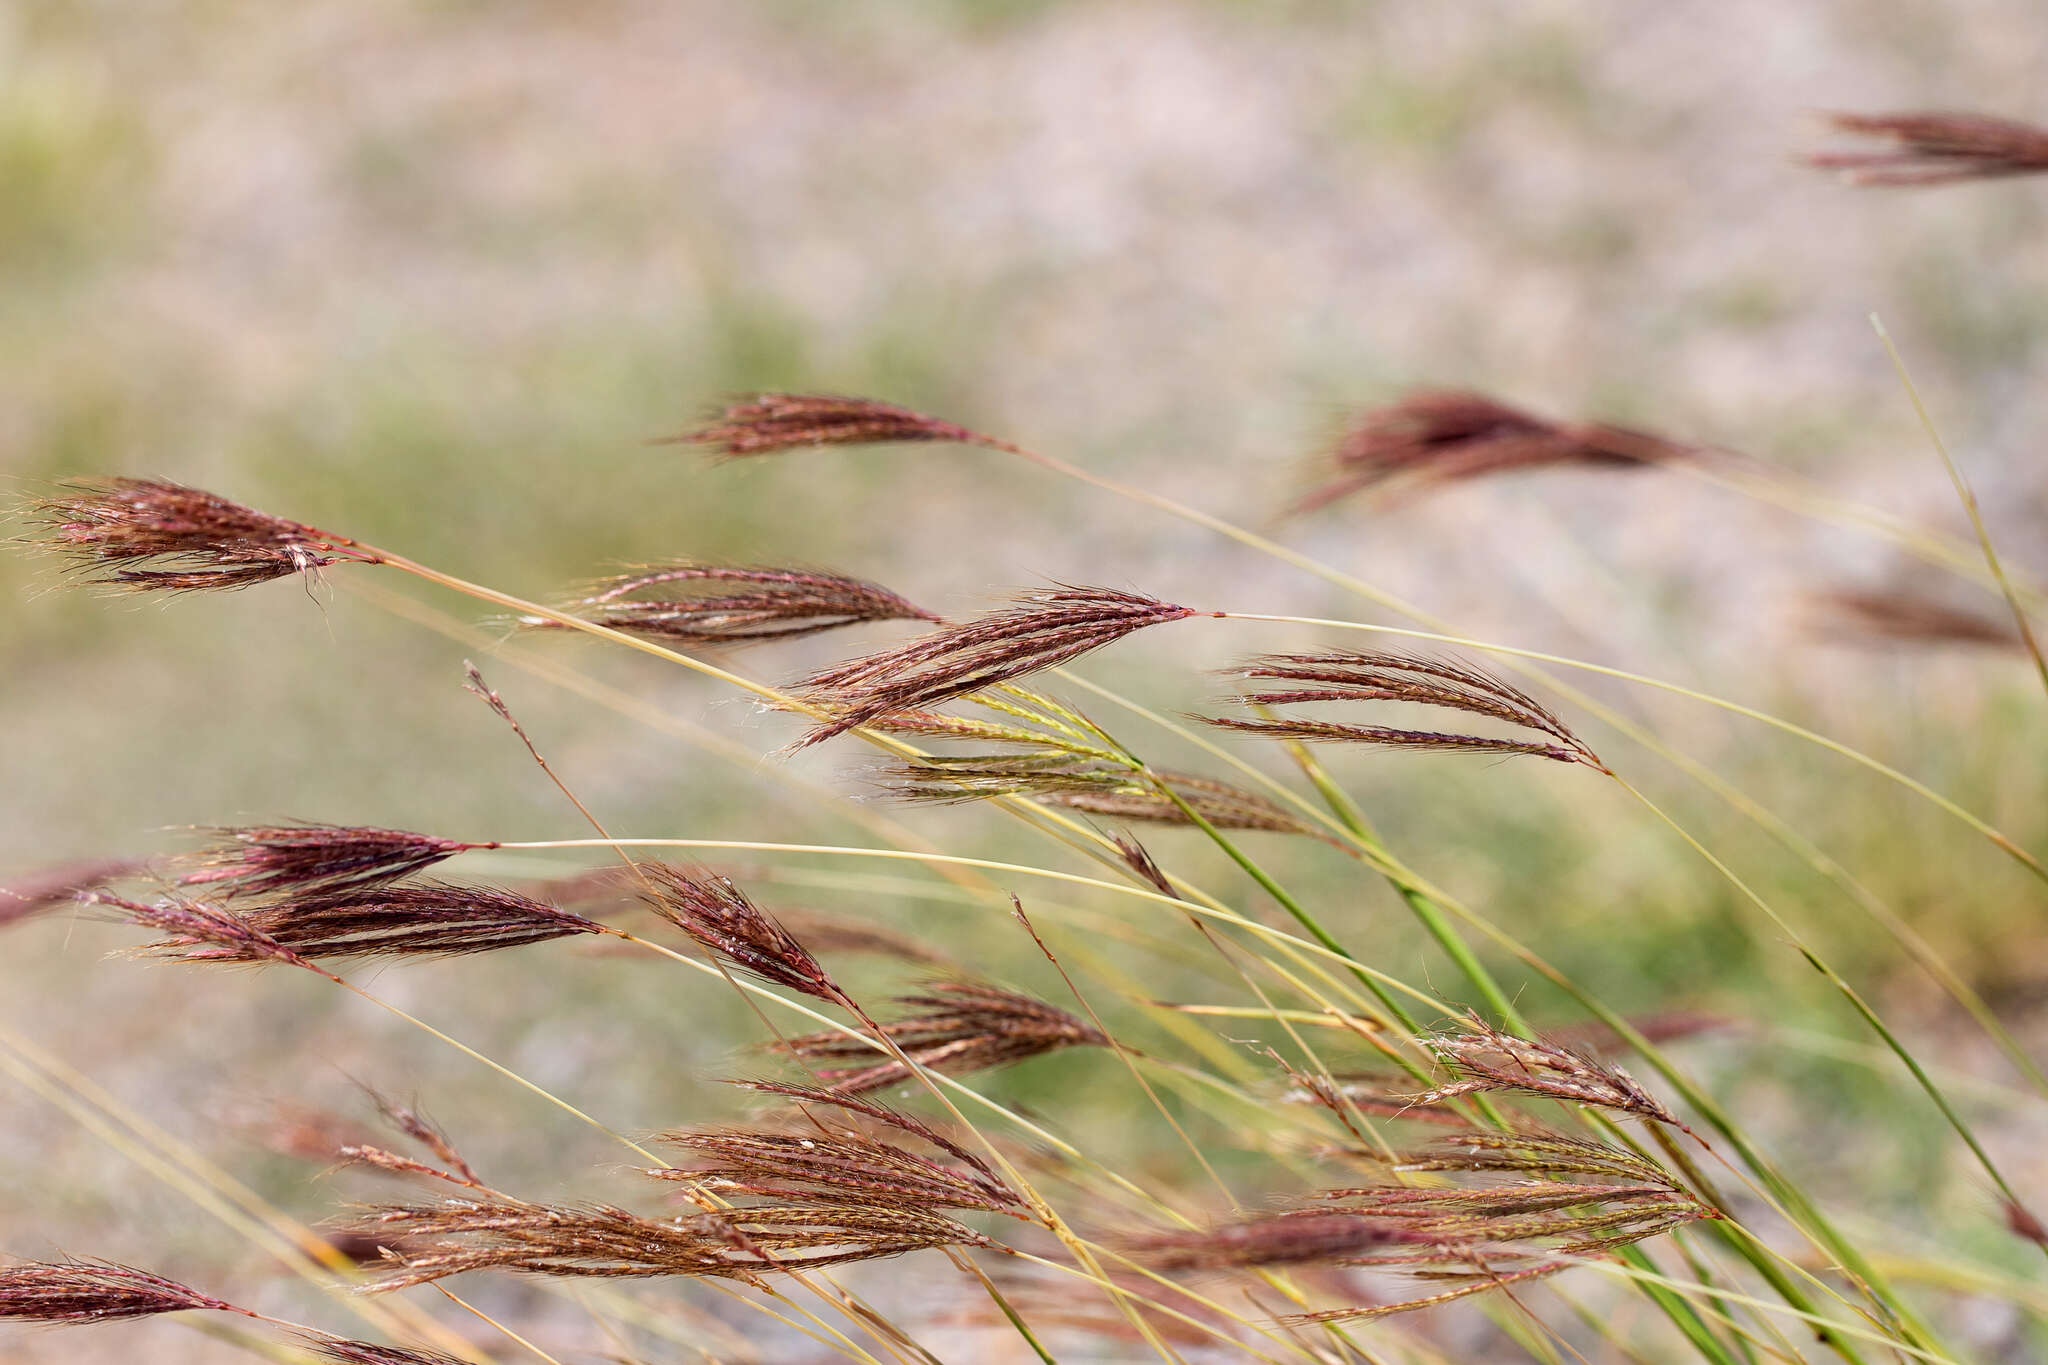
[1343,675]
[1935,148]
[713,605]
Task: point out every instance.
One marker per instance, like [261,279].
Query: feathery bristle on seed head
[154,535]
[1444,436]
[961,1027]
[1042,629]
[707,604]
[313,858]
[1365,676]
[1905,618]
[46,889]
[426,919]
[93,1291]
[718,915]
[1936,148]
[773,422]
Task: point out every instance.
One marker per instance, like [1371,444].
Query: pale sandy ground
[432,273]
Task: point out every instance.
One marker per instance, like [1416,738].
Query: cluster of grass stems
[1421,1144]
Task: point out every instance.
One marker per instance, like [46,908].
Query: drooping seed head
[93,1291]
[154,535]
[708,604]
[718,915]
[1368,676]
[313,859]
[961,1027]
[1936,148]
[1042,629]
[1434,436]
[197,932]
[772,422]
[1487,1061]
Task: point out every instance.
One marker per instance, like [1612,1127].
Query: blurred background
[434,274]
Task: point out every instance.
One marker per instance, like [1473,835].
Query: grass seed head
[312,858]
[93,1291]
[1041,629]
[154,535]
[1358,676]
[960,1027]
[720,918]
[769,423]
[707,604]
[1936,148]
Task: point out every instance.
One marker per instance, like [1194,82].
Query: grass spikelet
[1042,629]
[79,1292]
[314,859]
[1935,148]
[770,423]
[720,918]
[708,604]
[961,1027]
[1443,436]
[154,535]
[1366,676]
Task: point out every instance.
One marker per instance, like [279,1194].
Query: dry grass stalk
[735,606]
[313,859]
[772,422]
[1908,619]
[1042,629]
[1487,1061]
[1442,436]
[963,1027]
[51,887]
[154,535]
[823,1161]
[455,1236]
[1936,148]
[719,917]
[80,1292]
[1368,676]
